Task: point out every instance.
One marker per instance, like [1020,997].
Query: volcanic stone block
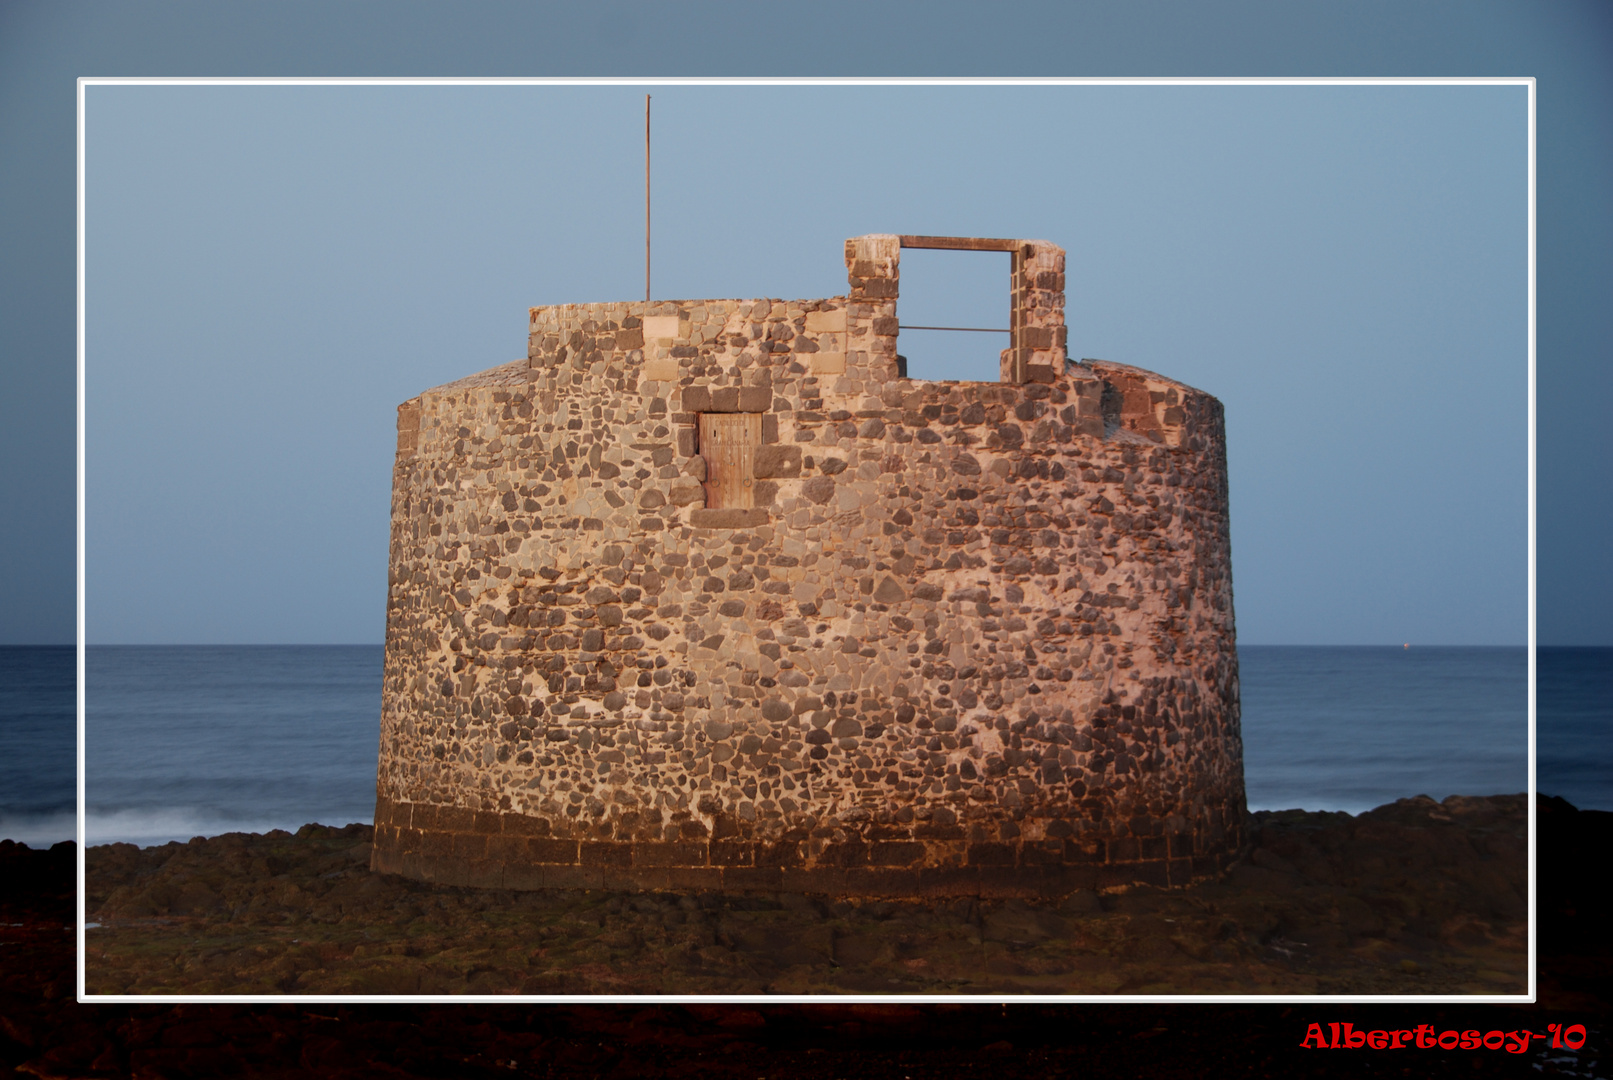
[728,519]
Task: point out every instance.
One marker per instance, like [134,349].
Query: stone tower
[708,594]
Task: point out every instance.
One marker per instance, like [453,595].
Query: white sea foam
[39,830]
[1353,809]
[150,827]
[144,827]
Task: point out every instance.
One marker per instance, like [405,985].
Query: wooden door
[728,442]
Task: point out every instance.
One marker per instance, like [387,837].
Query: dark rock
[819,489]
[889,592]
[728,518]
[782,461]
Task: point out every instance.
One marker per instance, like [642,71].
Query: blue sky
[270,270]
[1327,262]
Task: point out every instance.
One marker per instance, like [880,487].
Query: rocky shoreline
[45,1034]
[1416,897]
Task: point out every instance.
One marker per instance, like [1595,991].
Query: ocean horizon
[185,741]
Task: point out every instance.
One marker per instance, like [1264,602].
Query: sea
[184,741]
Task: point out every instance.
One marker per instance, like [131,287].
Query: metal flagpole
[647,199]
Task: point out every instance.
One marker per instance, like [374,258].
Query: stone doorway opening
[957,307]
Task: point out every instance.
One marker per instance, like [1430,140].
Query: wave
[147,827]
[39,830]
[1354,809]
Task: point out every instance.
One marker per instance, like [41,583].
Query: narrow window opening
[728,443]
[955,309]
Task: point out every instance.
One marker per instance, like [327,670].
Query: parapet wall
[968,638]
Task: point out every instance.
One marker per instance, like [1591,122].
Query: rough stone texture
[972,638]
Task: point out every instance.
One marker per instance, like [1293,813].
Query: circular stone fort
[709,594]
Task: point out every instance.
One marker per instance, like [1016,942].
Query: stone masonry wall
[972,638]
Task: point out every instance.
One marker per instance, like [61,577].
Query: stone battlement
[707,594]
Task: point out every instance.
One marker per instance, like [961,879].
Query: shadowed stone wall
[970,637]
